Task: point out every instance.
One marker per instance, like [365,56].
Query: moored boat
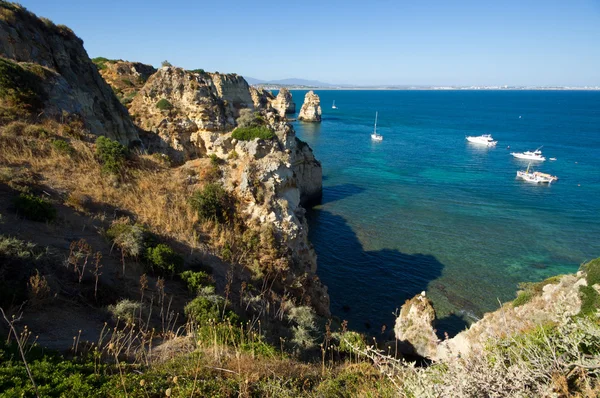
[374,135]
[485,139]
[536,177]
[529,155]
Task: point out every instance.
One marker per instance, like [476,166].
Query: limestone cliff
[71,82]
[311,108]
[275,179]
[125,78]
[284,103]
[177,105]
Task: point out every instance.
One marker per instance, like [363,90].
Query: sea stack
[283,103]
[311,108]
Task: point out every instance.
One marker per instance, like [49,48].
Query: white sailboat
[333,106]
[375,136]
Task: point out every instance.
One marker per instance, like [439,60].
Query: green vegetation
[199,71]
[251,133]
[592,270]
[164,105]
[165,63]
[163,260]
[63,147]
[196,280]
[212,203]
[34,208]
[20,87]
[111,154]
[204,310]
[102,62]
[529,290]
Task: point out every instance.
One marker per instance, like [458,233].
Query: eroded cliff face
[284,103]
[311,108]
[275,179]
[262,98]
[70,79]
[177,105]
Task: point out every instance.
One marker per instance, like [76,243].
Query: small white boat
[333,106]
[536,177]
[552,158]
[529,155]
[485,139]
[375,136]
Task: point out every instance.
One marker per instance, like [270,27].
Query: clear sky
[430,42]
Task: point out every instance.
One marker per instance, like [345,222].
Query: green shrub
[164,105]
[590,300]
[163,260]
[199,71]
[350,341]
[130,238]
[592,270]
[35,208]
[111,154]
[64,147]
[196,280]
[304,327]
[212,203]
[20,86]
[215,161]
[165,63]
[126,310]
[102,62]
[529,290]
[251,133]
[204,310]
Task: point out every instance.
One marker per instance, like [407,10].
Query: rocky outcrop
[262,98]
[311,108]
[551,302]
[125,78]
[414,327]
[177,105]
[71,82]
[284,103]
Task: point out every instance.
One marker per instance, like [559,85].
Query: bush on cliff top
[251,133]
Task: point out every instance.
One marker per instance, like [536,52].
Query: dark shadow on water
[451,324]
[367,287]
[339,192]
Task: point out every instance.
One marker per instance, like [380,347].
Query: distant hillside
[289,82]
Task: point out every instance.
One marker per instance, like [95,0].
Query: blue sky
[430,42]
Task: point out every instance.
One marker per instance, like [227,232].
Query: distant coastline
[428,88]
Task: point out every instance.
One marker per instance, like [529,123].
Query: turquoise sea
[425,210]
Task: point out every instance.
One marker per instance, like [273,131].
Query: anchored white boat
[333,106]
[529,155]
[375,136]
[536,177]
[485,139]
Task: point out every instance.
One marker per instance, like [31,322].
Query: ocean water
[424,210]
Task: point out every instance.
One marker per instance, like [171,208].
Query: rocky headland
[311,108]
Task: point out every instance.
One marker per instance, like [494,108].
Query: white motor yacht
[485,139]
[529,155]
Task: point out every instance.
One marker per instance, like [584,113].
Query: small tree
[166,63]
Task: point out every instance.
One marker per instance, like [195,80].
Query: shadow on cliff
[339,192]
[367,287]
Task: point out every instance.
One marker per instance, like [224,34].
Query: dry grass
[157,195]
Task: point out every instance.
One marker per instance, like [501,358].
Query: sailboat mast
[375,129]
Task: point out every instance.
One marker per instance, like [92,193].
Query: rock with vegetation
[66,81]
[414,327]
[177,105]
[283,103]
[125,78]
[311,108]
[262,98]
